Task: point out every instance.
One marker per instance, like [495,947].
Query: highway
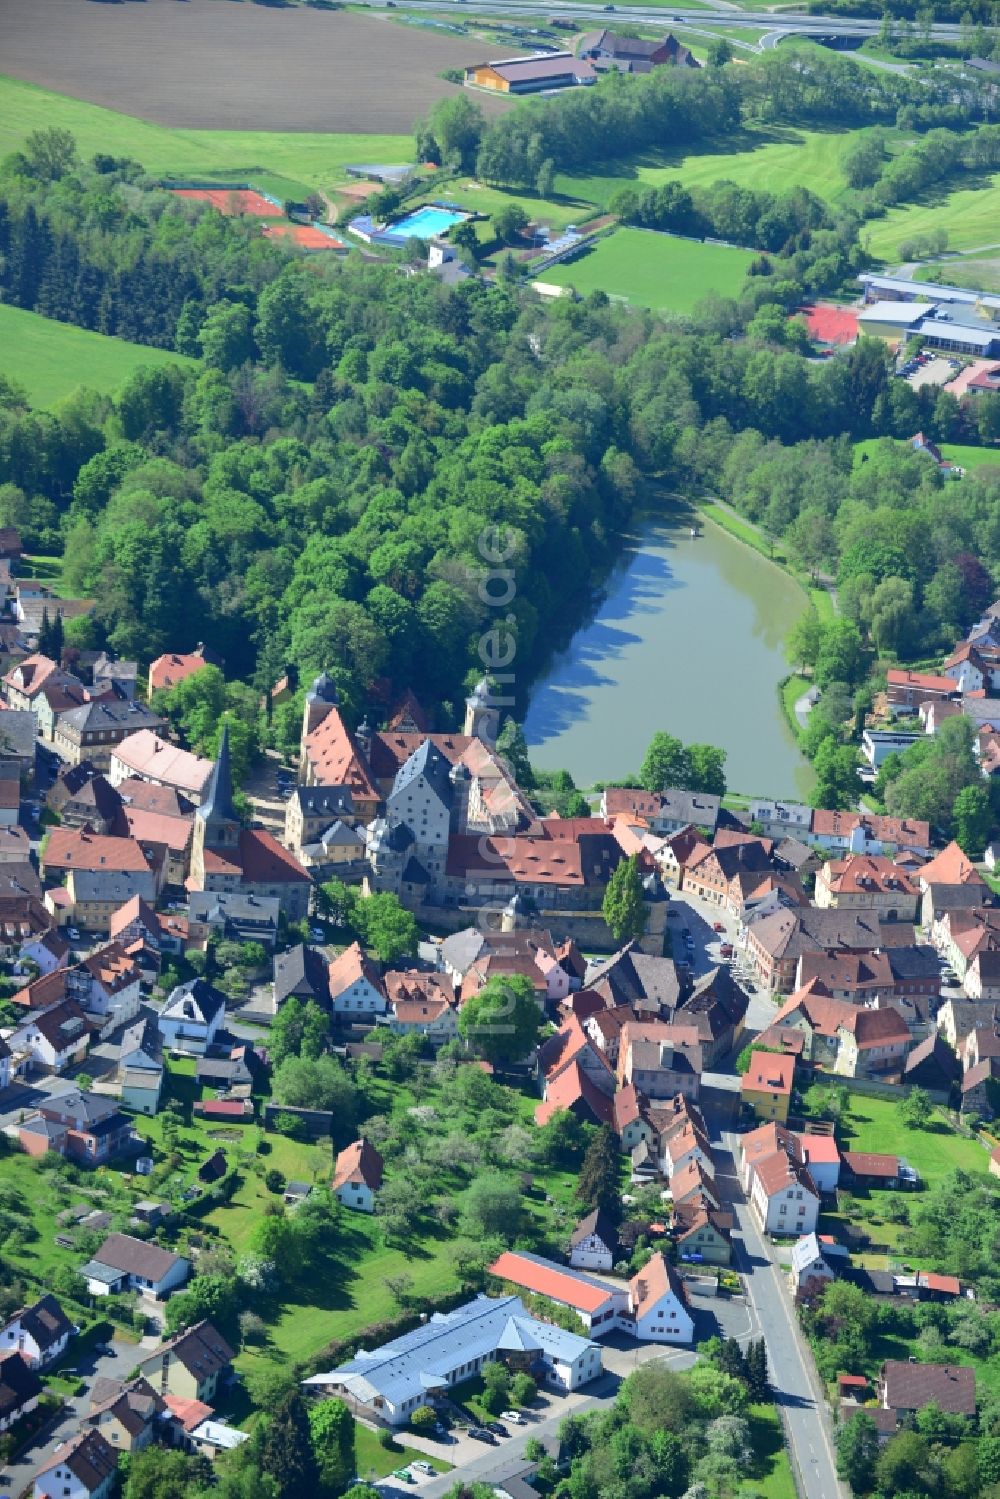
[787,23]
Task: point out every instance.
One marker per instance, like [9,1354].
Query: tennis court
[305,236]
[231,201]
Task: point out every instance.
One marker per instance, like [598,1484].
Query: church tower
[216,822]
[482,719]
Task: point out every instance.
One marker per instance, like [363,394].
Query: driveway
[115,1365]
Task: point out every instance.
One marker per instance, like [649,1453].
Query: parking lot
[926,368]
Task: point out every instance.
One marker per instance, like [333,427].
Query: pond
[689,638]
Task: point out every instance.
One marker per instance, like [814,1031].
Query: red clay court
[304,236]
[831,325]
[231,201]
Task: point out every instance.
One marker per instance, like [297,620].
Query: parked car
[515,1417]
[726,949]
[317,934]
[481,1434]
[404,1475]
[717,926]
[498,1429]
[72,934]
[424,1467]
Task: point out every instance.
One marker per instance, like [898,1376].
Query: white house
[593,1243]
[783,1196]
[191,1017]
[82,1468]
[124,1263]
[358,1176]
[810,1270]
[20,1389]
[54,1038]
[658,1305]
[39,1333]
[822,1156]
[355,986]
[47,949]
[108,983]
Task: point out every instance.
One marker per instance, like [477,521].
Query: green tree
[599,1182]
[457,125]
[836,767]
[50,154]
[707,769]
[508,222]
[623,907]
[523,1389]
[464,237]
[513,746]
[286,1451]
[331,1430]
[905,1464]
[386,926]
[165,1473]
[493,1205]
[298,1029]
[973,820]
[857,1450]
[805,639]
[207,1296]
[666,763]
[320,1083]
[915,1109]
[719,52]
[503,1020]
[841,655]
[226,336]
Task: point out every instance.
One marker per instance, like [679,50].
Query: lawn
[969,215]
[655,270]
[967,457]
[295,162]
[52,359]
[974,272]
[772,1471]
[792,689]
[374,1461]
[873,1124]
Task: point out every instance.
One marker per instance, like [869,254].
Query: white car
[317,934]
[72,934]
[423,1467]
[514,1417]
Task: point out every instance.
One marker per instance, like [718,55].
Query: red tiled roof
[948,1285]
[869,1163]
[950,867]
[543,1280]
[190,1413]
[572,1086]
[69,848]
[359,1162]
[769,1073]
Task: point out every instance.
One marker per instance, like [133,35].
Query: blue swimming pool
[425,223]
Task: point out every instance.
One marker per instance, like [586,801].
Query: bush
[423,1418]
[274,1180]
[386,1440]
[523,1389]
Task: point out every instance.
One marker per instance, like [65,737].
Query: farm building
[608,50]
[531,75]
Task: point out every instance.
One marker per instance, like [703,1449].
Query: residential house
[355,986]
[91,731]
[783,1196]
[598,1304]
[716,1007]
[135,921]
[339,851]
[777,942]
[330,753]
[980,1088]
[608,51]
[51,1040]
[949,880]
[120,677]
[957,1018]
[982,978]
[869,1168]
[629,1119]
[780,819]
[715,875]
[674,853]
[236,916]
[821,1154]
[234,1072]
[658,1304]
[593,1244]
[40,1333]
[872,1043]
[575,1089]
[195,1364]
[864,833]
[766,1086]
[191,1017]
[386,1384]
[701,1232]
[20,1389]
[128,1416]
[906,690]
[166,671]
[357,1177]
[85,1128]
[907,1387]
[659,1059]
[663,812]
[931,1065]
[85,1467]
[301,973]
[868,882]
[124,1263]
[107,984]
[47,949]
[421,1003]
[811,1271]
[140,1069]
[76,849]
[146,756]
[18,730]
[23,683]
[170,834]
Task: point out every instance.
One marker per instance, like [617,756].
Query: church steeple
[217,823]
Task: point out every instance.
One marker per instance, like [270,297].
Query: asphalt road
[796,1385]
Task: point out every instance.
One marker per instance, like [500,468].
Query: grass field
[373,1461]
[978,273]
[294,162]
[970,216]
[772,1471]
[967,457]
[655,270]
[766,158]
[51,359]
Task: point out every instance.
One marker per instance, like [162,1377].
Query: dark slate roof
[912,962]
[415,873]
[116,714]
[427,763]
[600,1223]
[324,801]
[300,970]
[45,1321]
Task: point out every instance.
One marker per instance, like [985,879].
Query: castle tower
[216,822]
[321,697]
[482,719]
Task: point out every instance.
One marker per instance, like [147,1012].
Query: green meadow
[655,270]
[52,359]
